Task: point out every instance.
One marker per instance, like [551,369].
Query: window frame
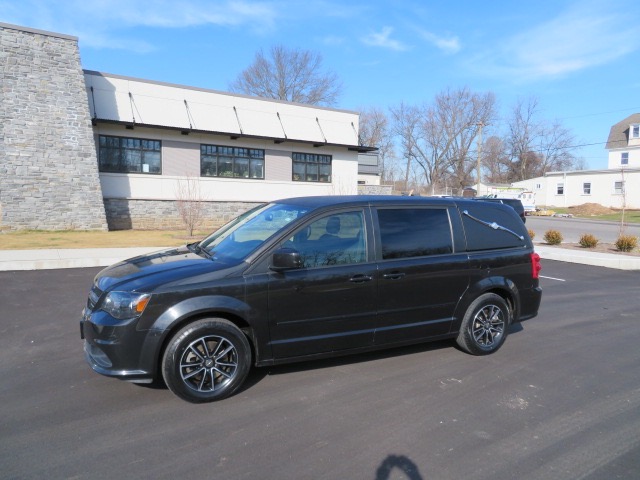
[624,158]
[231,162]
[560,188]
[635,130]
[586,188]
[309,161]
[618,187]
[126,152]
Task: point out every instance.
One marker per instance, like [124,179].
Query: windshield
[244,234]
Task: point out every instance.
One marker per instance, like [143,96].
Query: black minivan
[312,277]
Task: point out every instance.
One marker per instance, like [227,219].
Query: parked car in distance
[306,278]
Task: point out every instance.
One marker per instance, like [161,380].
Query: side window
[336,239]
[414,232]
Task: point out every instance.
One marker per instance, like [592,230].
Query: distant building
[624,143]
[615,187]
[87,150]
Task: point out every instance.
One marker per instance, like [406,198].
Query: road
[573,228]
[560,400]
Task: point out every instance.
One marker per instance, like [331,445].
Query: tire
[207,360]
[485,325]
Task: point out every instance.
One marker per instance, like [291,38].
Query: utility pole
[624,202]
[480,125]
[406,176]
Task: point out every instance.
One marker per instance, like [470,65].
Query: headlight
[124,305]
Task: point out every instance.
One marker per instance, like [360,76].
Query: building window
[618,188]
[310,167]
[586,188]
[635,131]
[231,162]
[624,158]
[560,189]
[538,186]
[129,155]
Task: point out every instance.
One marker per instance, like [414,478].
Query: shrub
[626,243]
[588,241]
[532,234]
[553,237]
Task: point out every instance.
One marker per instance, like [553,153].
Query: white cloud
[99,23]
[383,39]
[583,36]
[446,44]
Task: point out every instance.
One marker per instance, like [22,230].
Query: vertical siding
[180,159]
[278,165]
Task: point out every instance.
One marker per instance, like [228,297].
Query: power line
[636,109]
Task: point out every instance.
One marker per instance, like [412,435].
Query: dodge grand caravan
[306,278]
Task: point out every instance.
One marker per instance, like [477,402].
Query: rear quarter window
[483,237]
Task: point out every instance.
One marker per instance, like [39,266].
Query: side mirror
[285,259]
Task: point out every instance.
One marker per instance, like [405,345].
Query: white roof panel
[130,100]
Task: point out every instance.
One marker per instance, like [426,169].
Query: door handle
[361,278]
[393,276]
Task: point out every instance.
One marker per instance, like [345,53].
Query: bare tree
[462,113]
[294,75]
[439,136]
[537,146]
[189,202]
[375,131]
[496,161]
[408,127]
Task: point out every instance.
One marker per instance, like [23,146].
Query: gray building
[48,164]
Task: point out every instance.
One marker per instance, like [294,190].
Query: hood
[147,272]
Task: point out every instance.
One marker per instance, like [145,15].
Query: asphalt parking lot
[561,400]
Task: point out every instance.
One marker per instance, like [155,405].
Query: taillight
[535,265]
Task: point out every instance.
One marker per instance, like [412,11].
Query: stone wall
[48,165]
[125,214]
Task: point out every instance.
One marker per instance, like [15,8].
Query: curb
[608,260]
[68,258]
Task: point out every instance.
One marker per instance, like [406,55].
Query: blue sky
[579,58]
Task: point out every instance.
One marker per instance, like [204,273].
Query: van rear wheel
[484,326]
[207,360]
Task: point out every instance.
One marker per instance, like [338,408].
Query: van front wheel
[207,360]
[484,327]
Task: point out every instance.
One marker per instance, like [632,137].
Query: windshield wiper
[197,249]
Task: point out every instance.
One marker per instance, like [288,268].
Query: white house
[616,187]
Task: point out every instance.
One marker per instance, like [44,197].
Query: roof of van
[331,200]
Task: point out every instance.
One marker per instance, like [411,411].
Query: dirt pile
[590,209]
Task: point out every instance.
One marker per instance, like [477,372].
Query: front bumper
[116,348]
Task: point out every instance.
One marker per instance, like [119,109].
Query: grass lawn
[33,239]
